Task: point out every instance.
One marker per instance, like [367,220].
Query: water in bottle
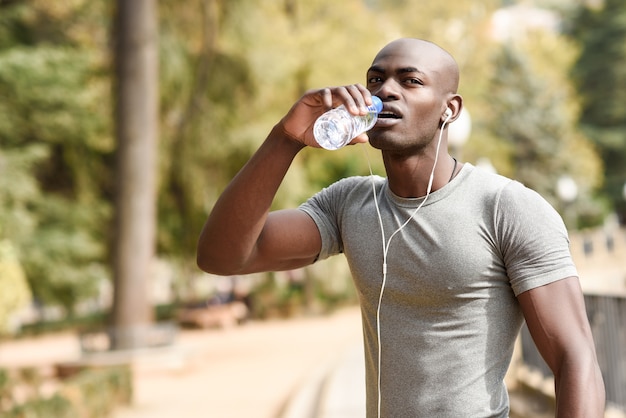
[337,127]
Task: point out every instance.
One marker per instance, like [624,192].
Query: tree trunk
[136,120]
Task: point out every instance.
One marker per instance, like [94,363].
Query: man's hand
[299,121]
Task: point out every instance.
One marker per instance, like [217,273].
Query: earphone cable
[386,245]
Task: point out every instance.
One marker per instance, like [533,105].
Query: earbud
[448,113]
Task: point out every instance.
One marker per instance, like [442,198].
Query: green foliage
[55,151]
[600,76]
[92,393]
[599,71]
[15,293]
[292,293]
[528,120]
[66,262]
[19,189]
[55,406]
[204,87]
[92,321]
[534,112]
[95,393]
[229,70]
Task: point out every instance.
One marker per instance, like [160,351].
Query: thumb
[361,139]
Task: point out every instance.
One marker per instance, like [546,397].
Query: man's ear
[455,105]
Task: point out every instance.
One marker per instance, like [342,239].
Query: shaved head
[439,60]
[417,82]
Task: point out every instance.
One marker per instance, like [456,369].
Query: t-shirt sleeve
[324,208]
[533,239]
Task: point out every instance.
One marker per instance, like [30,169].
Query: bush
[92,393]
[95,320]
[56,406]
[15,293]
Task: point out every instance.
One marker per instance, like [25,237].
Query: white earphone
[386,242]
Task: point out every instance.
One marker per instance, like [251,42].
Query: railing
[600,258]
[607,316]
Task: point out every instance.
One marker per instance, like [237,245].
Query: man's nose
[388,90]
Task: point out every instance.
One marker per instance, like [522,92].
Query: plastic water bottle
[337,127]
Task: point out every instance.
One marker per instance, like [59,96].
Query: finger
[327,98]
[361,98]
[366,95]
[361,139]
[357,103]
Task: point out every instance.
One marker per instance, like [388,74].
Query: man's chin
[382,141]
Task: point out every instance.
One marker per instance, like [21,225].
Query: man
[447,259]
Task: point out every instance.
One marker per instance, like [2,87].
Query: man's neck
[409,176]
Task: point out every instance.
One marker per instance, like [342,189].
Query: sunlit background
[88,135]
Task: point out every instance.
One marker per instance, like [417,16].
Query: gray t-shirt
[449,316]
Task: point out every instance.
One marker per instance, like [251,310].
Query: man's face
[406,78]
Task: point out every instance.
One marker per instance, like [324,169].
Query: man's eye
[414,81]
[374,79]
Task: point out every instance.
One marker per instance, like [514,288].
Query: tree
[206,91]
[534,116]
[600,76]
[54,147]
[15,293]
[228,70]
[136,116]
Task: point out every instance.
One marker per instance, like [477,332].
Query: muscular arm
[556,318]
[241,235]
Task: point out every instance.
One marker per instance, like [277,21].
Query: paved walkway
[277,368]
[335,391]
[248,371]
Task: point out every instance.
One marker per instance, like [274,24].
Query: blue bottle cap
[377,103]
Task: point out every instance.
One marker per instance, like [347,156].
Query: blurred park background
[122,121]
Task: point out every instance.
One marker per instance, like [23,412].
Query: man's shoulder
[485,185]
[358,180]
[346,191]
[356,184]
[487,178]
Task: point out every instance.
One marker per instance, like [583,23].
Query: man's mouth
[386,114]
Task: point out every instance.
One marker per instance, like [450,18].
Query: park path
[251,370]
[242,372]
